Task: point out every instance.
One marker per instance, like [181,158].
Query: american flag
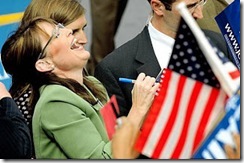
[189,102]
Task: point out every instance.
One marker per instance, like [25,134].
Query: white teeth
[73,43]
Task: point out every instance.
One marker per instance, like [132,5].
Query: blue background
[9,7]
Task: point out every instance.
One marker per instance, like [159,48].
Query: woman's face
[78,27]
[66,51]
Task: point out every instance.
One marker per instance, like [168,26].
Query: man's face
[172,17]
[195,7]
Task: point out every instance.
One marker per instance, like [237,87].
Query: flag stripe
[199,110]
[190,109]
[163,115]
[235,74]
[152,116]
[171,143]
[195,121]
[172,118]
[220,103]
[205,118]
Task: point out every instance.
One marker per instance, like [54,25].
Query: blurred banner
[213,146]
[229,24]
[11,12]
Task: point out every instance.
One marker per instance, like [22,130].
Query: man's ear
[157,7]
[44,66]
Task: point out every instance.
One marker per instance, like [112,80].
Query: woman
[66,121]
[68,12]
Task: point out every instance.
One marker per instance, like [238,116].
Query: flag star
[185,43]
[178,64]
[193,58]
[185,61]
[181,36]
[201,73]
[181,53]
[194,76]
[197,66]
[189,51]
[189,68]
[175,56]
[171,67]
[182,71]
[206,81]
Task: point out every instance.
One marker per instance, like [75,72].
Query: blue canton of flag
[187,58]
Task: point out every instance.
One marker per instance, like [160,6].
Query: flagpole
[229,1]
[212,58]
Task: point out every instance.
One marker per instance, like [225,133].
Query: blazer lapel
[146,55]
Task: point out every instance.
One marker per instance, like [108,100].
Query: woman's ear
[44,66]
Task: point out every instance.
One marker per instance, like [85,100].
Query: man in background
[149,51]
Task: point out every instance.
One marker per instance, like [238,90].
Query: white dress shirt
[162,45]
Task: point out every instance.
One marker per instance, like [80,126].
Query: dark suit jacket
[15,138]
[132,58]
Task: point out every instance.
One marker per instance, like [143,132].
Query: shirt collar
[159,36]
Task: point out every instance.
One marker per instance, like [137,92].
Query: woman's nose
[81,37]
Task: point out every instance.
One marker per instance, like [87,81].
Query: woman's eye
[75,31]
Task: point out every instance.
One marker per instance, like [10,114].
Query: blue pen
[126,80]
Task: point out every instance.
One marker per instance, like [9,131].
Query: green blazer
[67,126]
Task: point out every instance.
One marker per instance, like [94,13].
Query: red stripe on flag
[173,114]
[235,74]
[203,123]
[153,113]
[190,108]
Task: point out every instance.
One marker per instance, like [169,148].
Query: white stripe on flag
[218,109]
[178,125]
[161,121]
[195,121]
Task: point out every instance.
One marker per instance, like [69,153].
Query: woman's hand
[124,139]
[143,94]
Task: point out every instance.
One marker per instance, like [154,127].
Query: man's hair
[168,1]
